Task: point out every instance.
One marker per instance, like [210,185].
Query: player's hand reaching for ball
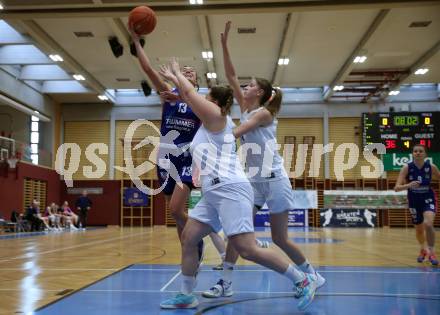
[175,67]
[166,72]
[135,37]
[224,35]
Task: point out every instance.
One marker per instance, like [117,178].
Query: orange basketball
[142,19]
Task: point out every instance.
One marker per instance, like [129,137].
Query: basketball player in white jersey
[259,105]
[227,196]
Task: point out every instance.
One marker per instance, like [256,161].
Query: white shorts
[228,206]
[276,193]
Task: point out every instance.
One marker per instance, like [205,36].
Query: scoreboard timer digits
[399,132]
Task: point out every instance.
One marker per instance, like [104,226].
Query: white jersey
[215,156]
[267,164]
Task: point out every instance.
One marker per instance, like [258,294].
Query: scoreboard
[399,132]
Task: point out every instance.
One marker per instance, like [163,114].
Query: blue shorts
[183,166]
[419,203]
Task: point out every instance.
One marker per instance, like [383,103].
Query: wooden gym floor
[39,269]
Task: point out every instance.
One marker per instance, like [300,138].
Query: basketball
[142,19]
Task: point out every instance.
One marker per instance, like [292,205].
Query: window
[35,138]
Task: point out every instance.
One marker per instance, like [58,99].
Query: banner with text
[365,199]
[348,218]
[297,217]
[194,198]
[395,161]
[133,197]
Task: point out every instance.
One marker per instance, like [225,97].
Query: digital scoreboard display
[399,132]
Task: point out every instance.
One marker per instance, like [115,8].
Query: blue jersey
[179,116]
[422,198]
[178,128]
[423,175]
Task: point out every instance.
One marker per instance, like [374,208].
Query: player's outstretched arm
[159,84]
[208,112]
[229,68]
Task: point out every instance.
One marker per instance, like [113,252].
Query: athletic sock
[188,284]
[307,267]
[227,271]
[294,274]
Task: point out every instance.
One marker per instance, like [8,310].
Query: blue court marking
[290,228]
[349,290]
[307,240]
[32,234]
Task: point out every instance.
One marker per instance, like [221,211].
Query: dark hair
[224,96]
[420,145]
[271,102]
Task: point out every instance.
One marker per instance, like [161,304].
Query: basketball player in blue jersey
[176,116]
[259,105]
[227,196]
[415,177]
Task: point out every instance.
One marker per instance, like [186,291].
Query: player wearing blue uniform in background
[178,127]
[416,178]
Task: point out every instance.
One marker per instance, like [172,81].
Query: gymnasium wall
[106,209]
[300,128]
[346,130]
[139,155]
[12,188]
[85,133]
[295,119]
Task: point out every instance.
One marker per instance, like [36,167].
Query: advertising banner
[395,161]
[297,217]
[133,197]
[365,199]
[196,195]
[348,218]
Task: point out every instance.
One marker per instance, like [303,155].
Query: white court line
[235,270]
[169,282]
[320,271]
[75,246]
[373,294]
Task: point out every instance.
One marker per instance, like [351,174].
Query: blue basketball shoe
[180,301]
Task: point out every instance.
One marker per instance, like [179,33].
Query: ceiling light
[360,59]
[211,75]
[207,55]
[283,61]
[338,88]
[195,1]
[78,77]
[1,6]
[394,92]
[56,58]
[103,97]
[421,71]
